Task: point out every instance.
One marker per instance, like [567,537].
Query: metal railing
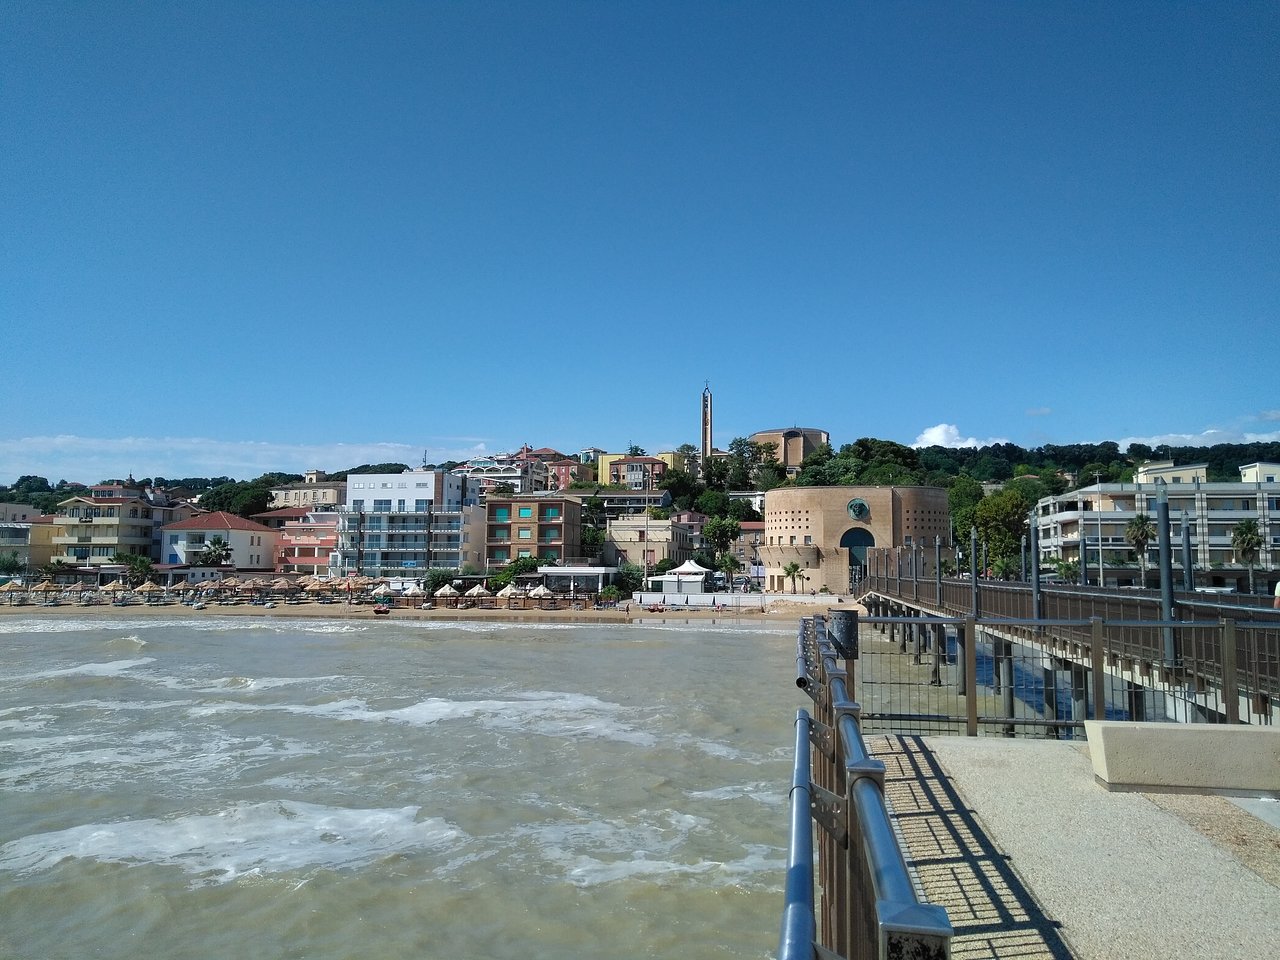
[1211,661]
[870,905]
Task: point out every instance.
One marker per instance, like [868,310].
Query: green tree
[437,577]
[728,564]
[11,564]
[140,569]
[55,567]
[216,553]
[629,577]
[501,489]
[712,503]
[517,567]
[1068,570]
[720,532]
[633,450]
[683,487]
[1001,520]
[963,498]
[1006,568]
[791,571]
[1246,541]
[1139,532]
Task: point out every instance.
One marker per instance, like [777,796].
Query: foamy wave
[113,668]
[132,640]
[259,839]
[545,713]
[764,792]
[593,852]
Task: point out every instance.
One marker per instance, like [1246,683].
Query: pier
[954,805]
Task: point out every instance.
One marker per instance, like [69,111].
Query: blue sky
[250,236]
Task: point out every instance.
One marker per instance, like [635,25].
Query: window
[525,513]
[522,554]
[502,513]
[357,504]
[524,533]
[400,504]
[808,540]
[419,506]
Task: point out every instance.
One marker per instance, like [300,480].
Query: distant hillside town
[779,511]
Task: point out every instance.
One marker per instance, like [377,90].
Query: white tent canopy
[689,577]
[689,568]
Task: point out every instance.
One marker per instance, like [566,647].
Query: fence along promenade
[1142,655]
[871,906]
[970,657]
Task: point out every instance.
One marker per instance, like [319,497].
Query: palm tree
[1246,541]
[1005,568]
[216,552]
[792,570]
[1140,531]
[728,564]
[1068,570]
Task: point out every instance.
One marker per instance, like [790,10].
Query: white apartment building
[400,525]
[525,474]
[1078,523]
[253,546]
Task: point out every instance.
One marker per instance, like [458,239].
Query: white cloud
[1269,415]
[1039,411]
[948,435]
[1206,438]
[91,459]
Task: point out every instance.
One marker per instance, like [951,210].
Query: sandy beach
[778,610]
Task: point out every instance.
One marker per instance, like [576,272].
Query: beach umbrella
[478,591]
[149,587]
[541,591]
[283,584]
[227,583]
[383,591]
[45,586]
[508,591]
[318,586]
[447,591]
[414,591]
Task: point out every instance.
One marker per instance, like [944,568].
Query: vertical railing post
[1230,682]
[1098,665]
[971,671]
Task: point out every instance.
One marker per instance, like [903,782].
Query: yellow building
[828,530]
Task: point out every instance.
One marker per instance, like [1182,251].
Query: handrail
[870,905]
[798,924]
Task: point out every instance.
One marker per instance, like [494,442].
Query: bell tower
[706,429]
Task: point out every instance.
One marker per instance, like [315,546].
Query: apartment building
[637,473]
[252,545]
[110,518]
[1088,525]
[546,527]
[400,525]
[314,491]
[647,542]
[307,542]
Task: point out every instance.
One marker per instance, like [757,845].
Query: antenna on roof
[424,457]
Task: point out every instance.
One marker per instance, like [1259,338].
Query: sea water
[196,788]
